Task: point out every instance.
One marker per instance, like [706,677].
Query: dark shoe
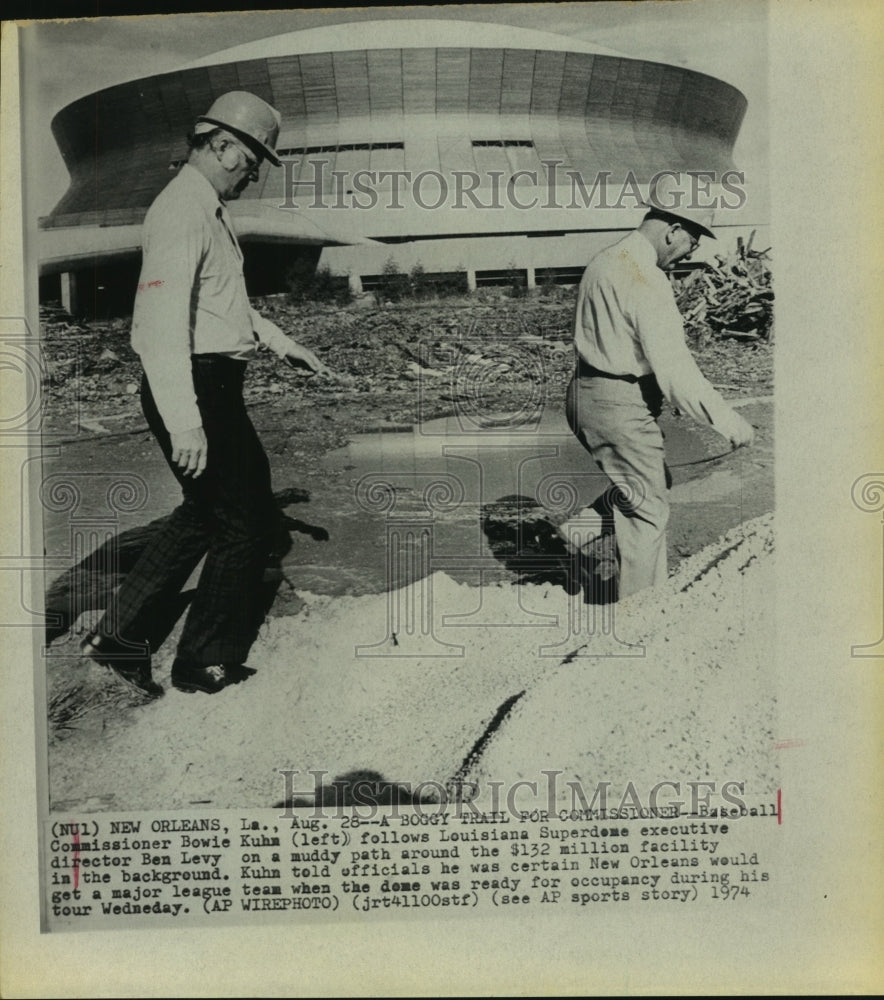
[578,534]
[209,680]
[129,665]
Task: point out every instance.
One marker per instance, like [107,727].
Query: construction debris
[406,362]
[732,298]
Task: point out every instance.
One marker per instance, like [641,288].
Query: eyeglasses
[253,164]
[693,237]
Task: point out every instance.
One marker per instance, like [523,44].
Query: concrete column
[471,280]
[529,272]
[355,282]
[70,299]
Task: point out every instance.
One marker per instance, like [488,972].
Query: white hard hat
[676,194]
[249,118]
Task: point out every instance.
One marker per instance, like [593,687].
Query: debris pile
[405,362]
[732,298]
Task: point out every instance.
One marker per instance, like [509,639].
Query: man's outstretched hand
[299,356]
[742,433]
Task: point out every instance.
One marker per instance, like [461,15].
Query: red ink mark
[150,284]
[788,744]
[779,807]
[76,860]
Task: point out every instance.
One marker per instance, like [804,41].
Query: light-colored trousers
[615,424]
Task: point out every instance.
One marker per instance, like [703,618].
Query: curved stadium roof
[402,34]
[418,95]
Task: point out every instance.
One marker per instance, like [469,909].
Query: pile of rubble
[732,298]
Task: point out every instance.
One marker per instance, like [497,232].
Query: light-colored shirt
[191,296]
[627,323]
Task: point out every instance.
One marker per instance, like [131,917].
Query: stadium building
[450,145]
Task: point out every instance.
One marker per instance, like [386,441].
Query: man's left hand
[299,356]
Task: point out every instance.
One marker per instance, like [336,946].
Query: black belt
[584,370]
[647,384]
[215,359]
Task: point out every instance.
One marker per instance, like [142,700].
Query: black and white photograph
[419,482]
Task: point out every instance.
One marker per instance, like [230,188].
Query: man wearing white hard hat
[195,330]
[631,354]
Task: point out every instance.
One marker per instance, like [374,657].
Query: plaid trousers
[227,514]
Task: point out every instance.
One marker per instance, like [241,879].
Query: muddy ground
[484,363]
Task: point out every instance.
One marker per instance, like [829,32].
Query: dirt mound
[494,682]
[696,705]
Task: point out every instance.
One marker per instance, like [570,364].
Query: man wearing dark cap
[631,354]
[195,330]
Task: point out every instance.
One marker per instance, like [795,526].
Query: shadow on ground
[357,788]
[90,584]
[525,541]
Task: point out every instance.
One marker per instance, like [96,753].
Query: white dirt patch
[697,707]
[698,704]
